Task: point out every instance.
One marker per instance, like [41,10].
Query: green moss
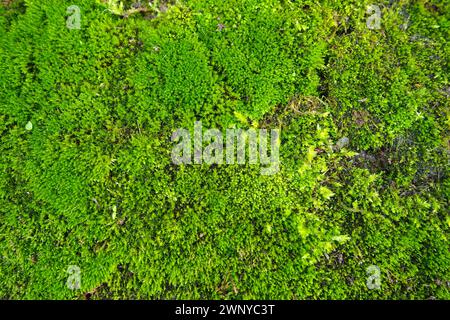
[91,182]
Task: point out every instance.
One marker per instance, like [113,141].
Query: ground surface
[87,180]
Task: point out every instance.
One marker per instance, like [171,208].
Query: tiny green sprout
[29,126]
[114,214]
